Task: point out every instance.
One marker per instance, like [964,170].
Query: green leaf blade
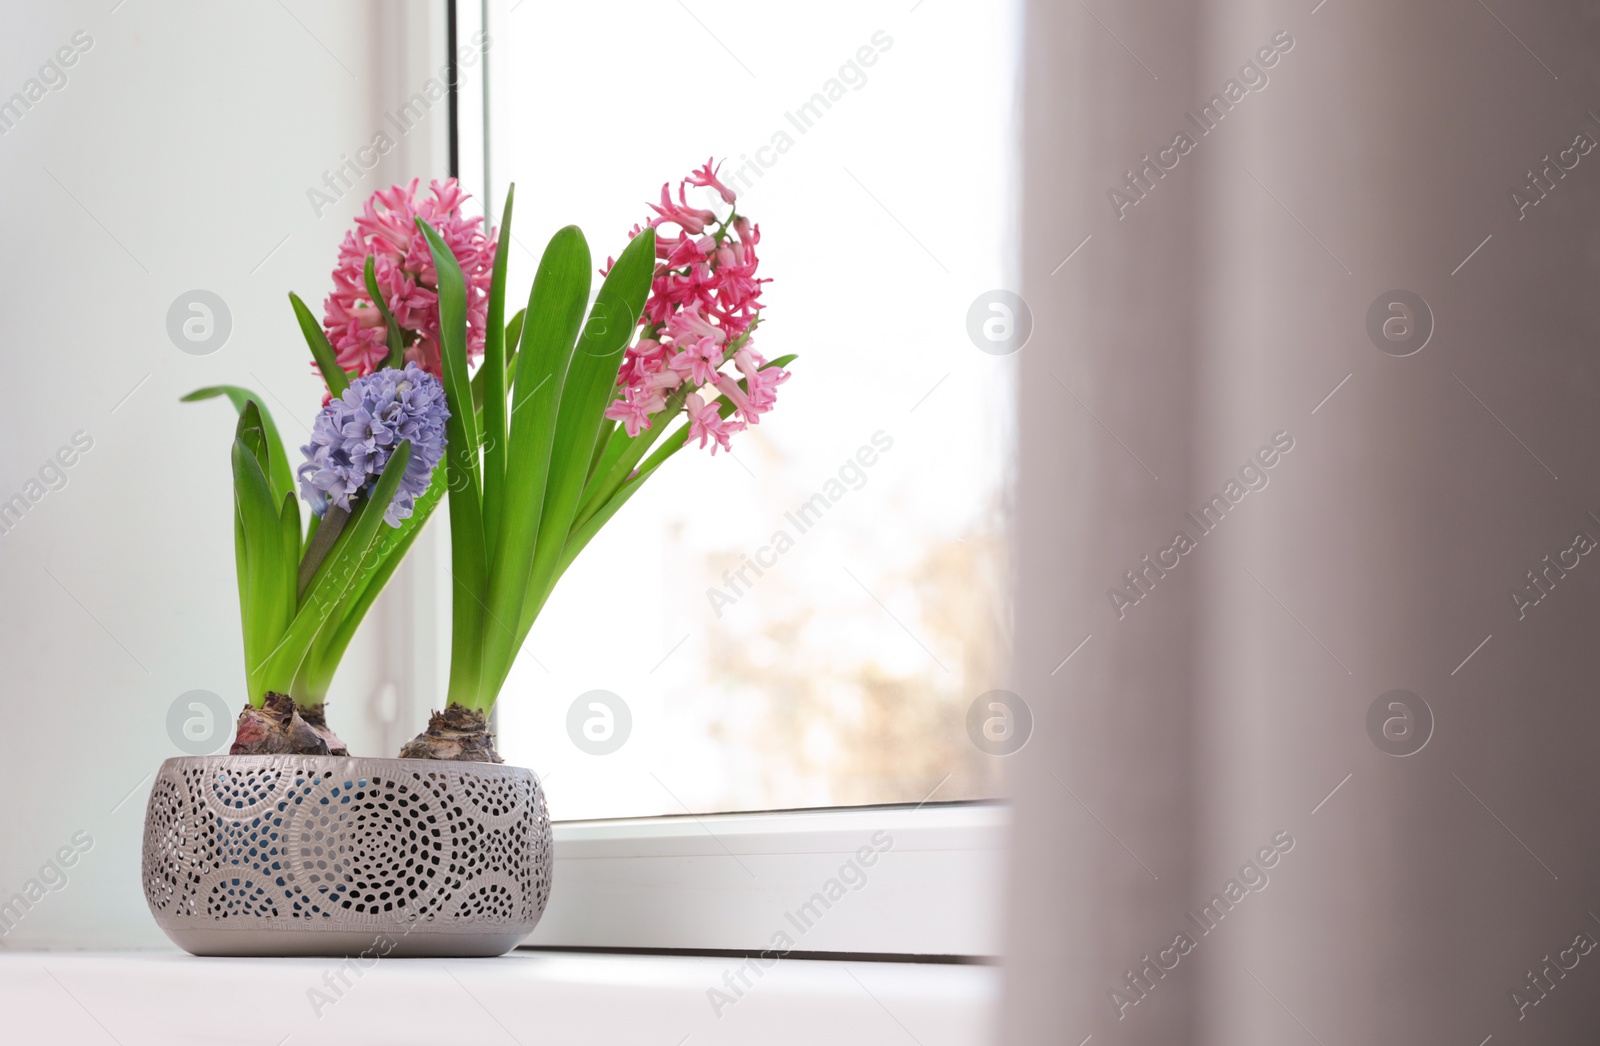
[397,345]
[279,474]
[589,387]
[469,551]
[265,599]
[321,350]
[389,550]
[550,331]
[347,558]
[493,369]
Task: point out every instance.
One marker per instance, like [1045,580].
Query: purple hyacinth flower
[354,435]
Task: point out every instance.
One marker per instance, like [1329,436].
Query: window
[834,664]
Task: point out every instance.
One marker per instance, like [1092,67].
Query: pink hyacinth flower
[688,325]
[707,175]
[707,423]
[634,410]
[403,269]
[704,297]
[699,362]
[692,220]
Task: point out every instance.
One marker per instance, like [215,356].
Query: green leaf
[606,474]
[493,369]
[253,433]
[289,533]
[452,292]
[585,529]
[622,455]
[319,542]
[619,460]
[602,447]
[267,600]
[581,536]
[589,387]
[624,452]
[575,543]
[280,476]
[549,334]
[241,566]
[469,551]
[345,564]
[513,335]
[321,350]
[397,345]
[389,550]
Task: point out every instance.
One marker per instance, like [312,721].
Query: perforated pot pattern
[324,855]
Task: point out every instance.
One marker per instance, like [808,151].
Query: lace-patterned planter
[325,855]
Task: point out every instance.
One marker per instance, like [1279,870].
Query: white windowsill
[738,881]
[167,999]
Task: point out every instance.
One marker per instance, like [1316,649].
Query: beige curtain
[1372,262]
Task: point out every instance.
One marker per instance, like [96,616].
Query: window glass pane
[806,621]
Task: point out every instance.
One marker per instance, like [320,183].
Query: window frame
[730,882]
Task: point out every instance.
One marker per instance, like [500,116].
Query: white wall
[177,156]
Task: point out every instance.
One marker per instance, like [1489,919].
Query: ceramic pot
[336,856]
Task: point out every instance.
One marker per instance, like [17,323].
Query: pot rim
[368,764]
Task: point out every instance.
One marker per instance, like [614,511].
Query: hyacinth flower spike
[370,471]
[302,596]
[531,483]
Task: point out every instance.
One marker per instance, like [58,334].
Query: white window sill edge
[890,880]
[526,997]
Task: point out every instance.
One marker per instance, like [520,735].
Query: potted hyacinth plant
[302,597]
[599,399]
[289,845]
